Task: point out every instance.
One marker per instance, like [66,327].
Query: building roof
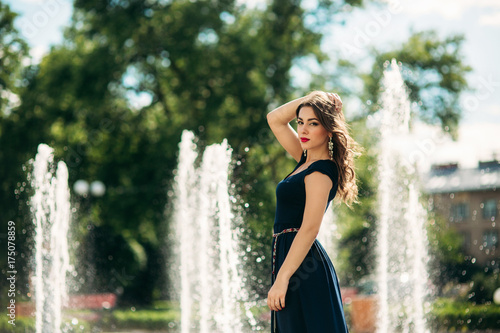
[450,178]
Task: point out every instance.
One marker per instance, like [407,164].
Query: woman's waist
[279,227]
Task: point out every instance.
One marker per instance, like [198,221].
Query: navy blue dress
[313,302]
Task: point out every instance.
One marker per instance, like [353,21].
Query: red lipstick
[304,139]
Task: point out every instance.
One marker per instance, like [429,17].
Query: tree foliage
[433,71]
[12,51]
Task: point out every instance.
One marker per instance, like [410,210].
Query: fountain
[401,240]
[207,272]
[50,206]
[328,233]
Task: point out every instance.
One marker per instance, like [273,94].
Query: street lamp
[96,188]
[496,296]
[88,192]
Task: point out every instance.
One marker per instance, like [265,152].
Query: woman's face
[312,134]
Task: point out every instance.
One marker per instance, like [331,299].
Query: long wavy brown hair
[328,109]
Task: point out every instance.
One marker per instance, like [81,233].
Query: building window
[490,239]
[490,209]
[459,212]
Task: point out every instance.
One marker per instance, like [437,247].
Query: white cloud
[449,9]
[252,3]
[37,53]
[427,145]
[492,109]
[490,19]
[138,100]
[476,142]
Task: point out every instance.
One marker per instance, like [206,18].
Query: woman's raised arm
[279,122]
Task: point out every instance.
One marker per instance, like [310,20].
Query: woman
[305,294]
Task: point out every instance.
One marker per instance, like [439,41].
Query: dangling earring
[304,152]
[330,148]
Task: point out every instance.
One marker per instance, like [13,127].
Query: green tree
[13,50]
[434,72]
[445,246]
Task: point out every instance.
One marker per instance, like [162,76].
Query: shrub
[454,316]
[483,286]
[23,324]
[152,319]
[27,324]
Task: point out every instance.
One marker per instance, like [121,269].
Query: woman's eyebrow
[308,119]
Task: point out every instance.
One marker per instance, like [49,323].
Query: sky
[41,22]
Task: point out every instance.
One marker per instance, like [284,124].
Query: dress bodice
[291,193]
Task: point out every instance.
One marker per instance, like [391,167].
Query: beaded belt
[276,241]
[275,236]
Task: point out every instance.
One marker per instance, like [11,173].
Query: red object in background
[364,314]
[92,301]
[89,301]
[25,309]
[348,294]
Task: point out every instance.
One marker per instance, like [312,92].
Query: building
[470,200]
